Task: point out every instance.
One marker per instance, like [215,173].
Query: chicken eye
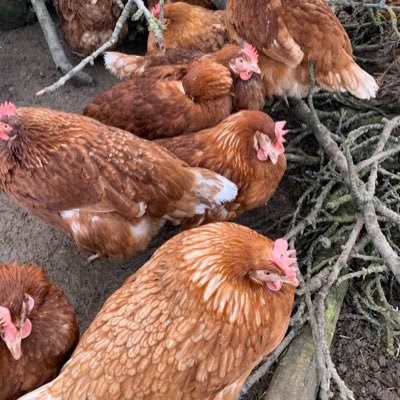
[6,127]
[241,60]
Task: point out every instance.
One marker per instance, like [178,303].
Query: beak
[266,276]
[15,346]
[273,157]
[255,68]
[291,281]
[294,282]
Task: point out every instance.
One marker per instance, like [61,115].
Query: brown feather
[54,334]
[191,27]
[289,34]
[228,149]
[151,107]
[109,190]
[188,324]
[173,64]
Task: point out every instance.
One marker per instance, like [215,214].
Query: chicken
[190,27]
[202,3]
[87,24]
[246,95]
[190,324]
[109,190]
[246,148]
[289,34]
[38,329]
[194,96]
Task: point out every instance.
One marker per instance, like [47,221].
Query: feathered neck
[37,134]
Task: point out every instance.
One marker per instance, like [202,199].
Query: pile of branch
[346,225]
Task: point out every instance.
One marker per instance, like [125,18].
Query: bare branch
[56,50]
[153,23]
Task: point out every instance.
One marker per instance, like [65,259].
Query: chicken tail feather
[124,66]
[352,79]
[215,189]
[366,84]
[40,393]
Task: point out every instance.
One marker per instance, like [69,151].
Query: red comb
[279,133]
[7,109]
[281,257]
[156,11]
[251,52]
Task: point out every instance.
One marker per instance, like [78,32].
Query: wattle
[245,75]
[274,285]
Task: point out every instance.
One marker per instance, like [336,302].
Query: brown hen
[289,34]
[190,324]
[87,24]
[191,97]
[109,190]
[247,94]
[247,148]
[38,329]
[190,27]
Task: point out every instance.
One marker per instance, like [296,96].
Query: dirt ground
[26,67]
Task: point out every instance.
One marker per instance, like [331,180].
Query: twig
[302,159]
[363,272]
[56,50]
[379,157]
[327,368]
[314,213]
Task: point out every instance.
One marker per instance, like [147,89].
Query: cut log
[295,377]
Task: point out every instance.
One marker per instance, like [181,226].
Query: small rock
[342,368]
[11,89]
[374,365]
[382,361]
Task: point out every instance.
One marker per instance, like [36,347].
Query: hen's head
[7,110]
[229,254]
[15,307]
[280,270]
[155,12]
[242,61]
[264,135]
[269,142]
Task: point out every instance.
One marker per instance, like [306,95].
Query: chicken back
[87,24]
[247,94]
[109,190]
[289,34]
[38,329]
[190,324]
[192,97]
[247,148]
[191,27]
